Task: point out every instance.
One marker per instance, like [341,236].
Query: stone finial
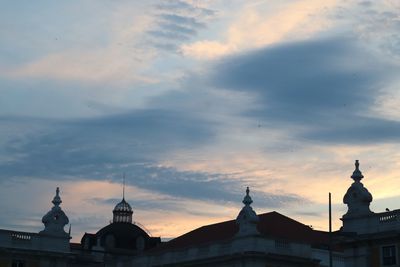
[247,218]
[357,175]
[357,197]
[55,220]
[247,199]
[57,200]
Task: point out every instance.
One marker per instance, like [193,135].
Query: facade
[368,238]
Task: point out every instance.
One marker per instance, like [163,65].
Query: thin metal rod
[123,187]
[330,231]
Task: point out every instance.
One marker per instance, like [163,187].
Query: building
[48,248]
[368,238]
[115,244]
[269,239]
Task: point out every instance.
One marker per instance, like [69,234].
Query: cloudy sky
[194,101]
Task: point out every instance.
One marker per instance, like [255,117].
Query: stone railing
[373,223]
[32,241]
[389,216]
[22,236]
[15,238]
[388,221]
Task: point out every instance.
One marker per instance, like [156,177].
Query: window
[18,263]
[389,255]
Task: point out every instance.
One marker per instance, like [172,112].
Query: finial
[247,219]
[357,175]
[247,199]
[57,200]
[55,220]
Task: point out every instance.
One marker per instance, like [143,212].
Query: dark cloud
[133,143]
[86,146]
[356,129]
[320,90]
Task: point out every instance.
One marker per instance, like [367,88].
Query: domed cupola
[122,212]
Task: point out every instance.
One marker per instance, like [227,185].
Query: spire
[57,200]
[123,187]
[357,175]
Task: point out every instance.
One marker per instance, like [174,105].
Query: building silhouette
[50,247]
[366,239]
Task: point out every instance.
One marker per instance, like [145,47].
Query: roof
[125,236]
[122,231]
[271,224]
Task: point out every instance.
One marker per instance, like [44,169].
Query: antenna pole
[330,231]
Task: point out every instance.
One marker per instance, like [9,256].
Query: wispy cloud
[252,28]
[111,52]
[375,23]
[177,22]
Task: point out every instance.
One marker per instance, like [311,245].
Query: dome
[121,237]
[122,212]
[124,235]
[123,206]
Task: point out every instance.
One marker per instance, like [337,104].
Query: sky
[194,101]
